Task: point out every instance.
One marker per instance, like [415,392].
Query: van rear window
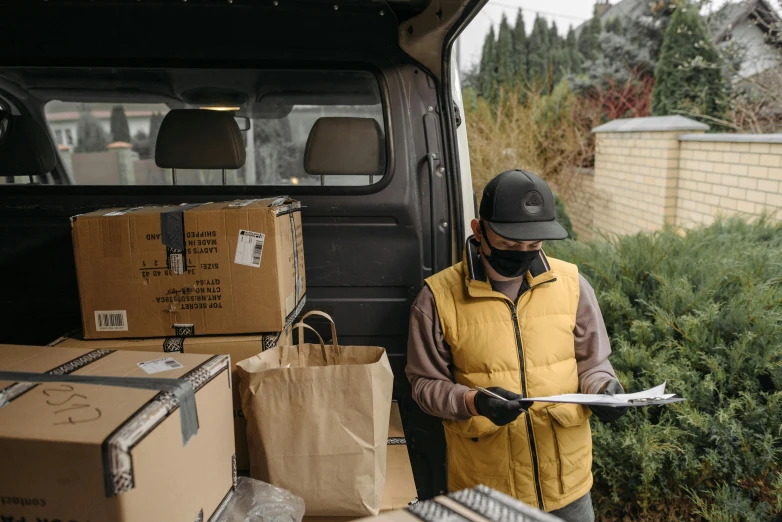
[112,141]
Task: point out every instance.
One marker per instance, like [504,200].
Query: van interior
[348,106]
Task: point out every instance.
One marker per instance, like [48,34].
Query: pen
[491,394]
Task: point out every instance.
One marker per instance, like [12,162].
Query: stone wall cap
[652,124]
[733,138]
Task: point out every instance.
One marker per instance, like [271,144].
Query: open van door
[369,240]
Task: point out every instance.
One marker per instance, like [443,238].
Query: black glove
[497,411]
[610,413]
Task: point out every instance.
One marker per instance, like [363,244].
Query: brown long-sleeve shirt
[429,358]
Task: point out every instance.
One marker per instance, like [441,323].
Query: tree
[558,56]
[539,47]
[505,57]
[620,59]
[488,69]
[689,77]
[154,128]
[647,29]
[589,39]
[276,155]
[614,25]
[120,131]
[520,49]
[574,56]
[91,136]
[140,144]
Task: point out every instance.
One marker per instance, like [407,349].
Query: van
[85,85]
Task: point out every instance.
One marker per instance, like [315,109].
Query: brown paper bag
[317,422]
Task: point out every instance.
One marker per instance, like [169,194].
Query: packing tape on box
[172,235]
[181,389]
[299,299]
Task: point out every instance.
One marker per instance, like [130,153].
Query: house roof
[720,23]
[623,9]
[726,18]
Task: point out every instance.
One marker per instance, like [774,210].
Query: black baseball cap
[518,205]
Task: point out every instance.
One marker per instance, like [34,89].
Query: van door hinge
[438,194]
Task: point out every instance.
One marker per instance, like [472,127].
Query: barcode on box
[111,321]
[257,254]
[175,262]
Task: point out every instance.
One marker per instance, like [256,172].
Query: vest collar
[477,281]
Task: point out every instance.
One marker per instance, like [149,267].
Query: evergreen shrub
[701,310]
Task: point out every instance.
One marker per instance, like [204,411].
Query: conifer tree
[120,131]
[506,68]
[488,67]
[614,25]
[647,29]
[589,39]
[154,127]
[559,57]
[539,50]
[689,77]
[90,134]
[574,57]
[520,49]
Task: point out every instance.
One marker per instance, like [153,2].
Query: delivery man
[520,324]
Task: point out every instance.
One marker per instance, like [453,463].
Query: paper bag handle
[333,326]
[300,326]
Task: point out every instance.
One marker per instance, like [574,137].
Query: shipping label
[163,364]
[249,248]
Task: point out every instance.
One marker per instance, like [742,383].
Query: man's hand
[609,413]
[497,411]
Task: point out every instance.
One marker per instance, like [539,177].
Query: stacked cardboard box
[238,347]
[113,435]
[203,269]
[186,282]
[192,278]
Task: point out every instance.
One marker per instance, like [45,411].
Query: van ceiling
[222,33]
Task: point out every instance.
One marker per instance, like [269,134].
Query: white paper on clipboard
[652,396]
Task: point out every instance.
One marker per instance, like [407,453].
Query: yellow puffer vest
[544,458]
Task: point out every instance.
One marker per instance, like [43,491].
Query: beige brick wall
[718,178]
[635,185]
[657,171]
[578,193]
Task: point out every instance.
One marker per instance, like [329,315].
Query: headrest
[199,139]
[27,149]
[351,146]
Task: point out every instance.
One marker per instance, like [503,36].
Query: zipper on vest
[530,434]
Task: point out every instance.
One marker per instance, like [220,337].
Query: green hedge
[563,218]
[702,311]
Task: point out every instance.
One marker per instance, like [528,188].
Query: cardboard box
[400,483]
[479,504]
[202,269]
[96,452]
[400,489]
[238,347]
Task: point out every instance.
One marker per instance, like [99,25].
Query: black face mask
[508,263]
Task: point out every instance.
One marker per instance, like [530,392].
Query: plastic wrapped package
[256,501]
